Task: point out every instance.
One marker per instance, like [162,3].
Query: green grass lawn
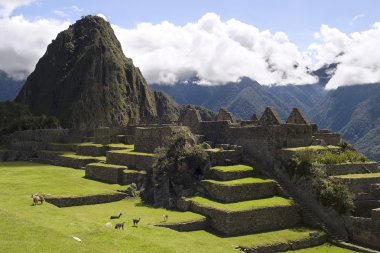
[90,144]
[75,156]
[243,205]
[325,248]
[313,147]
[242,181]
[233,168]
[129,151]
[46,228]
[121,145]
[365,175]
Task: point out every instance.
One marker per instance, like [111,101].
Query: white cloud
[354,19]
[357,54]
[216,51]
[61,13]
[24,42]
[102,16]
[8,6]
[76,8]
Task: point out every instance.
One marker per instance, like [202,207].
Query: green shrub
[311,165]
[346,156]
[335,193]
[31,123]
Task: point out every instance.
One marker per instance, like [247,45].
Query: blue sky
[219,41]
[299,19]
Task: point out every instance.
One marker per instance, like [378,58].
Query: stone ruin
[223,114]
[259,139]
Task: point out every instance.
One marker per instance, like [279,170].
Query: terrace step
[282,240]
[200,224]
[351,168]
[77,161]
[240,189]
[359,183]
[70,147]
[91,149]
[131,159]
[247,216]
[126,139]
[96,149]
[230,172]
[114,174]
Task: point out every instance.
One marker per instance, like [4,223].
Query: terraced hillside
[240,209]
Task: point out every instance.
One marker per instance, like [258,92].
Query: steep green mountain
[9,88]
[85,80]
[354,111]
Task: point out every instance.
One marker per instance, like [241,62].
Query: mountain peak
[85,80]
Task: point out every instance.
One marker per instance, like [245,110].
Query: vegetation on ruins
[179,167]
[310,165]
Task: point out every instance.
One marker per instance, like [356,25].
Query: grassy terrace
[248,180]
[244,205]
[72,155]
[26,178]
[121,146]
[46,228]
[90,144]
[218,150]
[315,147]
[366,175]
[132,152]
[233,168]
[107,165]
[325,248]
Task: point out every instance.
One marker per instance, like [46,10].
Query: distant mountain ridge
[354,111]
[9,87]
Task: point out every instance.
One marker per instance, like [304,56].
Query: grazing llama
[119,225]
[136,222]
[37,198]
[115,216]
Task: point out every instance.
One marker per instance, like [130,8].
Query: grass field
[46,228]
[243,181]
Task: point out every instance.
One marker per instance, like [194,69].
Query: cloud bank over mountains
[216,51]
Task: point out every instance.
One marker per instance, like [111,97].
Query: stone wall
[220,157]
[129,177]
[14,155]
[131,160]
[303,193]
[85,200]
[147,139]
[359,185]
[235,223]
[236,193]
[105,173]
[365,230]
[329,138]
[185,226]
[91,150]
[351,168]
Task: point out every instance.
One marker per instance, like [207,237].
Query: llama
[119,225]
[136,222]
[165,217]
[37,198]
[115,216]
